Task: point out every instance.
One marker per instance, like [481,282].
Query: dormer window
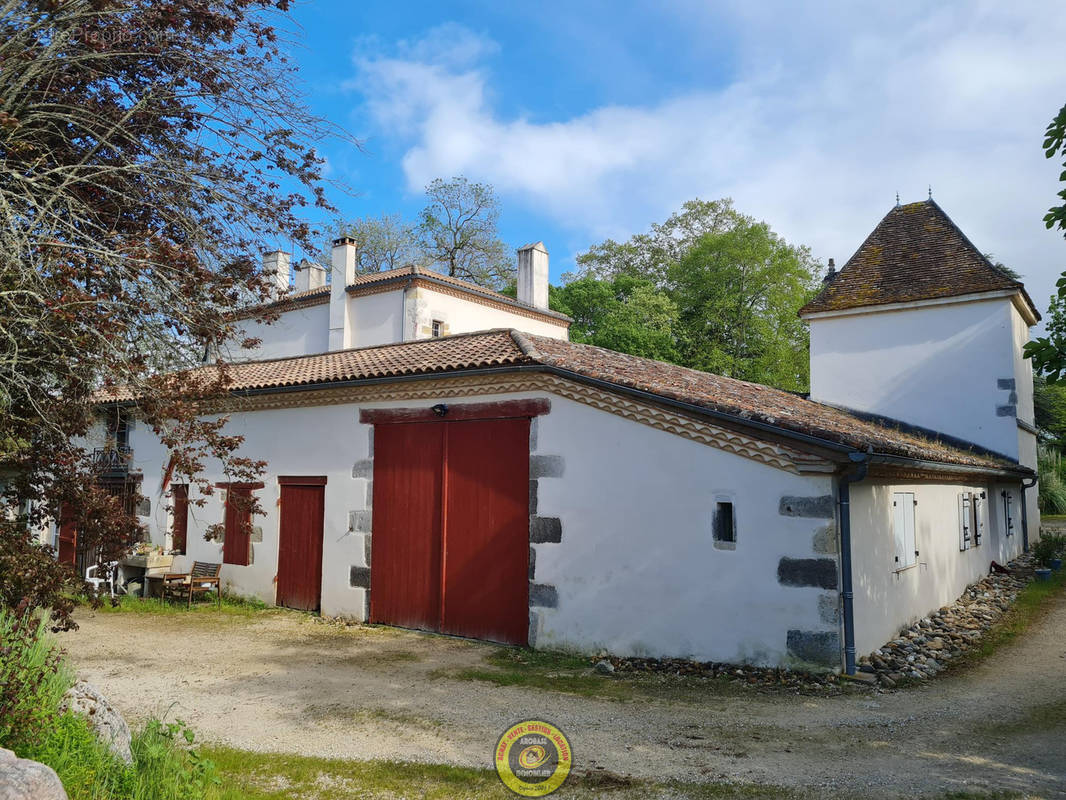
[437,328]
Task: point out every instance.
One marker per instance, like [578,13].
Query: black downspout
[854,475]
[1025,513]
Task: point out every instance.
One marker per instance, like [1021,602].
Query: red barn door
[300,542]
[451,527]
[405,566]
[486,536]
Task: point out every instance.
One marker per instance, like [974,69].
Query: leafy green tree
[651,255]
[626,314]
[738,294]
[458,232]
[1048,353]
[1049,405]
[385,242]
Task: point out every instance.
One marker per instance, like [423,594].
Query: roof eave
[1018,297]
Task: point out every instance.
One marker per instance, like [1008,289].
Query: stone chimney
[276,266]
[533,275]
[340,310]
[308,275]
[830,274]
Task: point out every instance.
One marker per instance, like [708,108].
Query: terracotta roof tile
[496,348]
[751,401]
[915,253]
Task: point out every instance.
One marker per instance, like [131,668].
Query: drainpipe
[861,462]
[1028,483]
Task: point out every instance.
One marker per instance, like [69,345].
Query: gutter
[860,465]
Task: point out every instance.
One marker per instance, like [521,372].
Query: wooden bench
[205,577]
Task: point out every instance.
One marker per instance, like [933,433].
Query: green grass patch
[567,673]
[231,606]
[1031,604]
[271,776]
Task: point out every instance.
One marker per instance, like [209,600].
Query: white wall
[887,599]
[324,440]
[378,318]
[935,366]
[297,332]
[464,316]
[637,572]
[1023,377]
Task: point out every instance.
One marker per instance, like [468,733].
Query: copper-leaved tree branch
[146,147]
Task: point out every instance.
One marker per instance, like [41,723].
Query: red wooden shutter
[68,536]
[179,495]
[237,546]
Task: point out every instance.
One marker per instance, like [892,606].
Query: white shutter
[899,528]
[980,512]
[911,548]
[903,528]
[965,521]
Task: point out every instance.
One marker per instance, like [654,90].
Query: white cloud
[824,118]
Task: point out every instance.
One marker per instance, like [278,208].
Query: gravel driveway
[283,682]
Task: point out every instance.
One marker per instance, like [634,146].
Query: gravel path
[285,683]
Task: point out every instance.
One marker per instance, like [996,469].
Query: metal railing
[112,460]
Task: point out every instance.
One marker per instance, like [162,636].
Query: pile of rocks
[928,646]
[757,677]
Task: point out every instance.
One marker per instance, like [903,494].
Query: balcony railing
[112,461]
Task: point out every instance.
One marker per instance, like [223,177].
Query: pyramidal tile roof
[915,253]
[505,348]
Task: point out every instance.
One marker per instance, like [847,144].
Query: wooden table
[151,565]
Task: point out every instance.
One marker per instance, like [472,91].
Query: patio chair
[203,578]
[97,582]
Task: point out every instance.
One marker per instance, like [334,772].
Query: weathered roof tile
[915,253]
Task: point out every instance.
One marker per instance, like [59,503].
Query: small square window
[724,523]
[437,328]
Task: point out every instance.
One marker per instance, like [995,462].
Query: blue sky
[595,119]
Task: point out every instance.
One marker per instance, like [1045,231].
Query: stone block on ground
[22,779]
[84,698]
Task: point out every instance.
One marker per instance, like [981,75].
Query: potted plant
[1048,551]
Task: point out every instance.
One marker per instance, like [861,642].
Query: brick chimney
[276,265]
[340,310]
[533,275]
[308,275]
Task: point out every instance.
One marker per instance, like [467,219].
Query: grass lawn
[572,674]
[271,776]
[231,606]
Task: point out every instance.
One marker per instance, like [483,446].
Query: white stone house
[442,457]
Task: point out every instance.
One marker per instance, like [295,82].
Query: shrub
[1049,546]
[1051,492]
[33,679]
